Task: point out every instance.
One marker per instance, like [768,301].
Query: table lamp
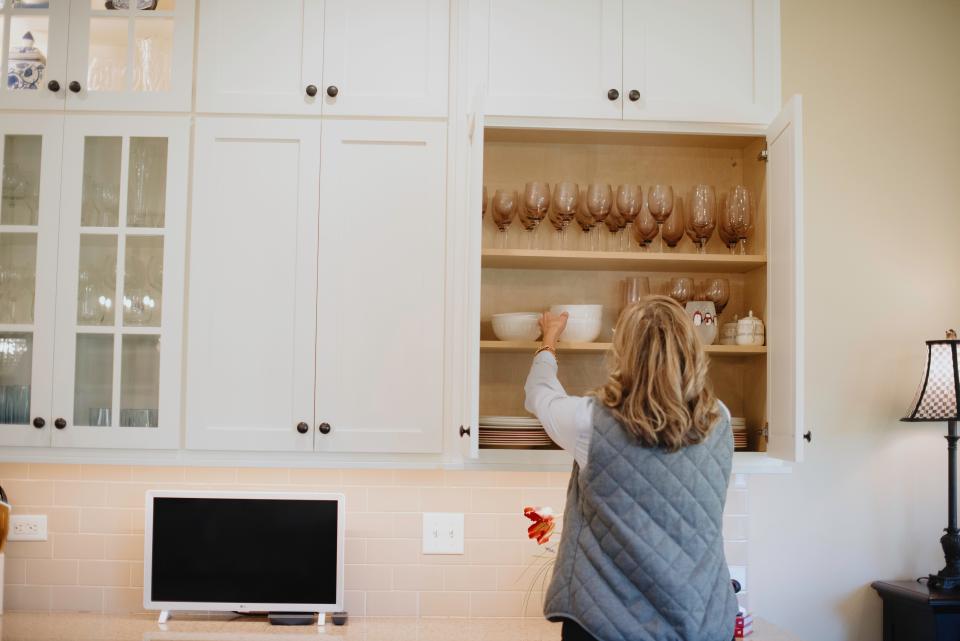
[936,400]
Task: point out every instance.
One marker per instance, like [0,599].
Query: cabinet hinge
[763,156]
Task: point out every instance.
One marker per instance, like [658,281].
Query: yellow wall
[881,87]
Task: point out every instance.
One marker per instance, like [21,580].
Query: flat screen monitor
[244,551]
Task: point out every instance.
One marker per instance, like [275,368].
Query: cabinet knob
[324,428]
[74,86]
[302,427]
[53,86]
[311,90]
[60,423]
[39,422]
[332,91]
[613,94]
[634,95]
[464,431]
[808,436]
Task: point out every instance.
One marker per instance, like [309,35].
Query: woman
[641,555]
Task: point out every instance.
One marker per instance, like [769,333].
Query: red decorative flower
[543,523]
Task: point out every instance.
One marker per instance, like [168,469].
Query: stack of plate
[739,425]
[513,433]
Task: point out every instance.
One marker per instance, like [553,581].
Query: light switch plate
[25,527]
[443,533]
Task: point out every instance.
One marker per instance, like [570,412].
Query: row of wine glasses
[142,288]
[681,289]
[17,288]
[659,215]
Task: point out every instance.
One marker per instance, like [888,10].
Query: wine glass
[725,228]
[536,202]
[635,289]
[645,229]
[599,202]
[586,222]
[629,203]
[717,290]
[566,198]
[615,222]
[703,215]
[680,289]
[504,210]
[672,230]
[660,203]
[739,213]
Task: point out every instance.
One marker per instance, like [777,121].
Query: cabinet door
[257,57]
[380,299]
[132,58]
[785,364]
[550,58]
[700,60]
[472,287]
[386,57]
[120,282]
[29,216]
[253,266]
[33,44]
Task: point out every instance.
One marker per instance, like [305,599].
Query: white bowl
[520,326]
[578,311]
[581,330]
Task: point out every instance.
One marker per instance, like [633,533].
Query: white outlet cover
[443,533]
[28,527]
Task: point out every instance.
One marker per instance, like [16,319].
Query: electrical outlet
[25,527]
[442,533]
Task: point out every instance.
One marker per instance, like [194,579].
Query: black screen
[244,550]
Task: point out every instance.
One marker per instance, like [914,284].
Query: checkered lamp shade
[936,398]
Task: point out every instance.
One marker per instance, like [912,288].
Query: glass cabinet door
[29,216]
[117,381]
[131,54]
[33,46]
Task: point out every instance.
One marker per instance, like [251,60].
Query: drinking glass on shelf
[586,222]
[660,203]
[566,199]
[672,230]
[504,210]
[739,213]
[536,203]
[629,203]
[635,289]
[599,202]
[717,290]
[725,227]
[615,223]
[702,218]
[680,289]
[645,229]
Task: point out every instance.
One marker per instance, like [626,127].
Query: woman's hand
[552,326]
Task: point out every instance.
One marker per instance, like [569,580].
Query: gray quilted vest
[641,553]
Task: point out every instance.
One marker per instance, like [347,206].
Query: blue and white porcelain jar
[25,65]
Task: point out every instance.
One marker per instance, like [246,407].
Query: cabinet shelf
[619,261]
[531,346]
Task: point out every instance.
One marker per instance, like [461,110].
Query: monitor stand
[296,618]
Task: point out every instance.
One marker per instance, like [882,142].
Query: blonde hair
[658,387]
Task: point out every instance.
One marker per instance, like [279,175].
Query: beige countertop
[43,626]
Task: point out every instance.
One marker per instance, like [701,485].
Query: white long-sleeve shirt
[568,420]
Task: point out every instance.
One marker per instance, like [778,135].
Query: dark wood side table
[914,612]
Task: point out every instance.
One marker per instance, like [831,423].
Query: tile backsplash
[93,558]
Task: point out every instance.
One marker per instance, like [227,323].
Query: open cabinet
[528,271]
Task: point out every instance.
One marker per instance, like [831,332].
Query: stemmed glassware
[536,203]
[615,223]
[673,230]
[504,210]
[717,290]
[681,289]
[660,203]
[725,228]
[566,198]
[702,219]
[586,222]
[739,214]
[599,202]
[645,229]
[629,204]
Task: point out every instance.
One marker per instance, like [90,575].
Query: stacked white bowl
[584,322]
[518,326]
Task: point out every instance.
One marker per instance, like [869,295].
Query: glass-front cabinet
[97,54]
[91,279]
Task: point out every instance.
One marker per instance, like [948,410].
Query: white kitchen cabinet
[29,218]
[386,58]
[88,57]
[339,57]
[698,60]
[253,282]
[260,58]
[547,58]
[380,301]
